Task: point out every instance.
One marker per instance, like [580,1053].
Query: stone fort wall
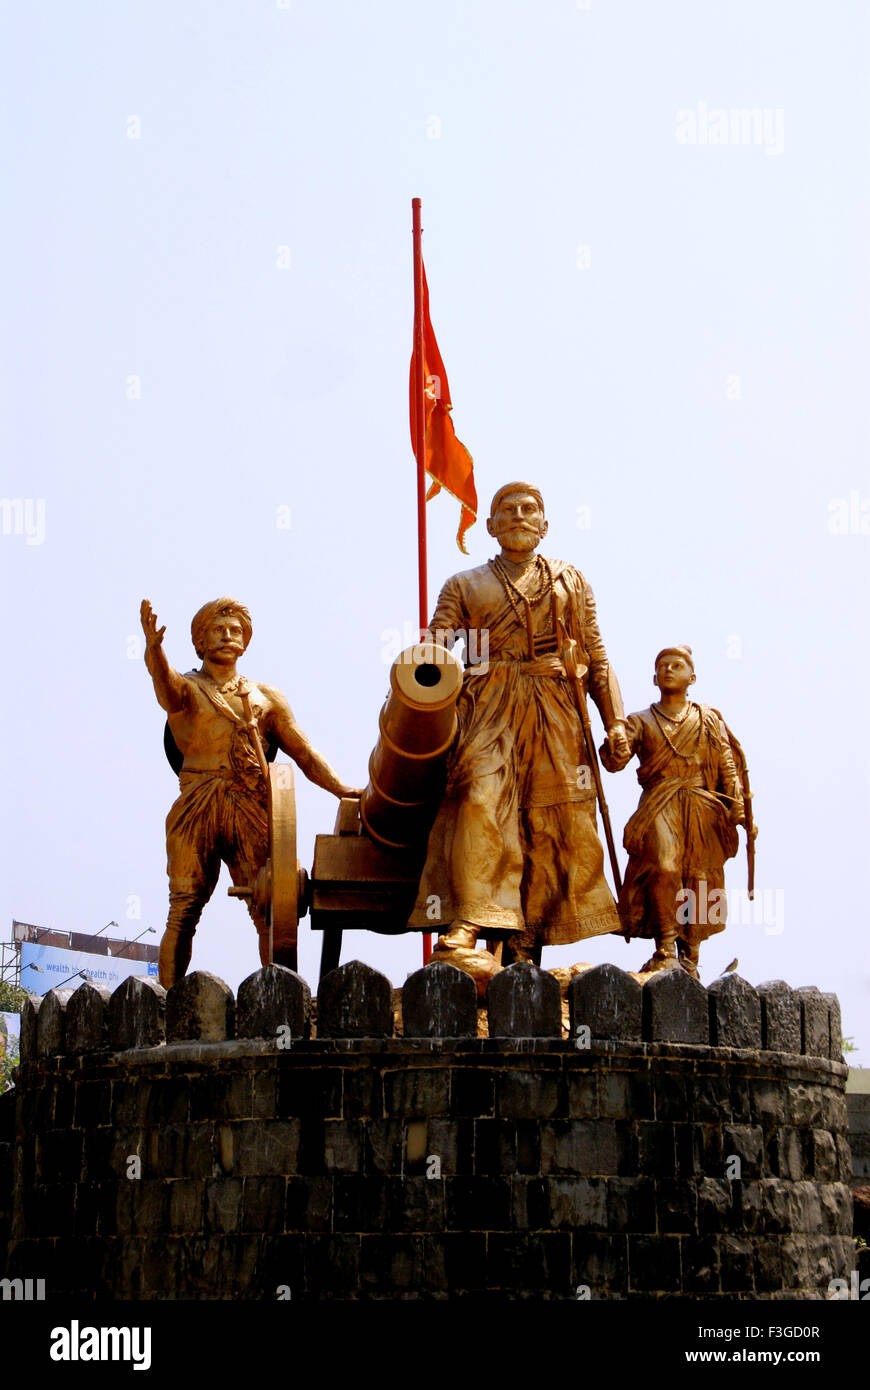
[671,1141]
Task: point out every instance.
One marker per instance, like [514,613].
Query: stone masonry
[358,1165]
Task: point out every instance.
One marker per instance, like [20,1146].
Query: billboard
[59,965]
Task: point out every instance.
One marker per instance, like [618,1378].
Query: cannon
[366,873]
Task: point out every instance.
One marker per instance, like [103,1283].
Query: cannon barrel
[417,725]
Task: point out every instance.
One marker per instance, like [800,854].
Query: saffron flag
[448,462]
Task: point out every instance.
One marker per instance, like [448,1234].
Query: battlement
[670,1140]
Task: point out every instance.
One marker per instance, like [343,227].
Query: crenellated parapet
[620,1141]
[355,1001]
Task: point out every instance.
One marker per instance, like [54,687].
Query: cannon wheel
[280,888]
[283,868]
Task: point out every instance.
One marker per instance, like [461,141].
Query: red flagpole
[420,411]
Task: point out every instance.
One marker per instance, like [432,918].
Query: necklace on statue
[540,644]
[229,687]
[660,715]
[672,718]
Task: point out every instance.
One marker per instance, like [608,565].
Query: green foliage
[12,998]
[8,1061]
[848,1045]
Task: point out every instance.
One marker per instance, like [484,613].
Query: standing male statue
[685,826]
[514,847]
[221,813]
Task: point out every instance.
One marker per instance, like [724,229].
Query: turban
[219,608]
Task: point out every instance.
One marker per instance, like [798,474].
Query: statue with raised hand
[217,717]
[693,776]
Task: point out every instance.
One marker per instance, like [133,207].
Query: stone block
[223,1205]
[417,1091]
[735,1013]
[768,1264]
[815,1022]
[746,1143]
[495,1147]
[677,1206]
[354,1001]
[137,1013]
[631,1204]
[413,1204]
[714,1205]
[835,1028]
[768,1103]
[264,1204]
[675,1008]
[524,1001]
[529,1261]
[332,1263]
[607,1001]
[825,1165]
[474,1090]
[271,1000]
[266,1148]
[654,1261]
[86,1018]
[308,1204]
[362,1093]
[304,1090]
[786,1154]
[51,1022]
[600,1262]
[480,1203]
[626,1095]
[439,1001]
[578,1202]
[780,1017]
[185,1206]
[700,1264]
[29,1014]
[795,1265]
[200,1007]
[836,1203]
[736,1264]
[527,1094]
[384,1146]
[585,1147]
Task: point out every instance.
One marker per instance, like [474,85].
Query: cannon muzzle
[417,726]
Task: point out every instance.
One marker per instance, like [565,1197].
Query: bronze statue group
[514,853]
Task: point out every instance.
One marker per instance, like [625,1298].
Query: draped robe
[515,846]
[680,835]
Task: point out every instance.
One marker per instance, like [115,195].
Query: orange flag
[448,462]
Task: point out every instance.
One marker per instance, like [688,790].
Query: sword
[576,671]
[748,822]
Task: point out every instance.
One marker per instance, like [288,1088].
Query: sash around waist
[542,666]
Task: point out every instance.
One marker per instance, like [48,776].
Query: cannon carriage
[365,874]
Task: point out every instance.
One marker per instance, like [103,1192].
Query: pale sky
[655,309]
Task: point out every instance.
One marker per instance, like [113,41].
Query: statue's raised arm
[169,686]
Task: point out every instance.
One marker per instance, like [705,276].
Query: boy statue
[685,825]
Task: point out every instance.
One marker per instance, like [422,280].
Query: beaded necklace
[660,715]
[540,644]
